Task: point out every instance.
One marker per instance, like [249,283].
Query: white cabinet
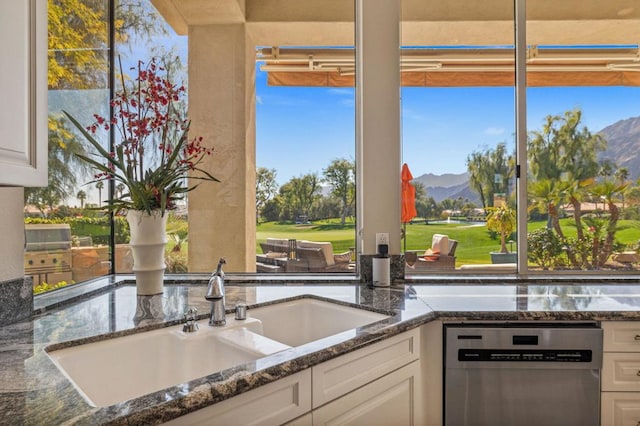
[341,375]
[379,384]
[620,409]
[272,404]
[621,373]
[393,399]
[23,84]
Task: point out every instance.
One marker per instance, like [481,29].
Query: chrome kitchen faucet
[215,294]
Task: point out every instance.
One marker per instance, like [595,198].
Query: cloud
[258,100]
[348,102]
[410,114]
[494,131]
[342,92]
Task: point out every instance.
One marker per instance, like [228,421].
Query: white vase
[148,241]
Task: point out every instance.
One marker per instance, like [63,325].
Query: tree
[44,198]
[563,147]
[545,196]
[478,167]
[621,175]
[81,195]
[120,189]
[298,195]
[490,172]
[563,161]
[503,221]
[78,38]
[100,186]
[609,192]
[63,165]
[340,175]
[424,206]
[266,188]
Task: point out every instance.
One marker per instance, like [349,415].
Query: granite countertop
[34,391]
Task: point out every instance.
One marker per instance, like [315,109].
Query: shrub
[545,248]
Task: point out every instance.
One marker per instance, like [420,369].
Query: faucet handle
[190,317]
[241,311]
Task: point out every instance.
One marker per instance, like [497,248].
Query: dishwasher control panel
[526,355]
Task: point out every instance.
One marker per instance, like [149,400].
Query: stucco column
[221,108]
[378,127]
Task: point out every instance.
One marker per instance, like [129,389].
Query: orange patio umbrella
[408,200]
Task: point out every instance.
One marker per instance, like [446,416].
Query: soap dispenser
[382,267]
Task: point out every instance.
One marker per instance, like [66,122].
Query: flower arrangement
[154,154]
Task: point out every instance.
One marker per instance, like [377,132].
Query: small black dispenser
[382,267]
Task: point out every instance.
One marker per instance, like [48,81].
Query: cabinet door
[23,112]
[393,399]
[621,336]
[621,371]
[620,409]
[345,373]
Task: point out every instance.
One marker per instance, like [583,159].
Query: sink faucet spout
[215,294]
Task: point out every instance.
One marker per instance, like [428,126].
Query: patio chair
[441,255]
[313,259]
[320,259]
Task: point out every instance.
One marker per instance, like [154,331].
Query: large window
[458,135]
[68,236]
[271,88]
[582,117]
[305,155]
[66,241]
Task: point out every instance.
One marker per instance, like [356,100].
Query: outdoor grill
[47,256]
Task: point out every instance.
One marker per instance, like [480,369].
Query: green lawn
[474,242]
[341,237]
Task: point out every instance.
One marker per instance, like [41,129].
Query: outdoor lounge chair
[312,259]
[440,257]
[311,256]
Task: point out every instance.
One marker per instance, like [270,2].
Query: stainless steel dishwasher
[522,374]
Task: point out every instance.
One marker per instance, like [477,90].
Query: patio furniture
[272,262]
[311,256]
[313,259]
[440,257]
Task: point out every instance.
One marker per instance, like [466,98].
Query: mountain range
[623,146]
[623,149]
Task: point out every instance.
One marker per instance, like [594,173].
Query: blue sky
[300,130]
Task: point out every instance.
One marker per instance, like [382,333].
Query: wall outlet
[382,238]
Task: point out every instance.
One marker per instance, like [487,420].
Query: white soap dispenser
[382,267]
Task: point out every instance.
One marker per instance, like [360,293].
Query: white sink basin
[301,321]
[115,370]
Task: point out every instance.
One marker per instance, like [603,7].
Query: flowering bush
[150,123]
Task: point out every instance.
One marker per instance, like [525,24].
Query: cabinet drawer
[272,404]
[620,409]
[338,376]
[621,336]
[391,400]
[621,372]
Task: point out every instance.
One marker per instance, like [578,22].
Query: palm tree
[622,174]
[81,195]
[100,185]
[545,195]
[120,188]
[609,191]
[503,221]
